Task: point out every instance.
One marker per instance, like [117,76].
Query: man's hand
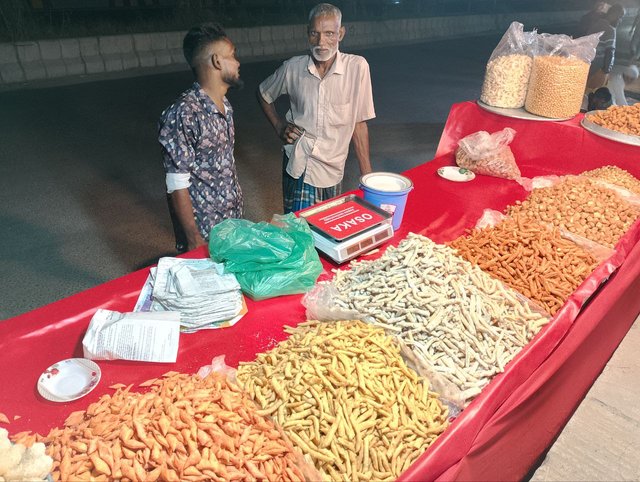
[183,209]
[290,133]
[286,131]
[194,242]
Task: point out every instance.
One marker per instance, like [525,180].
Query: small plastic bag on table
[268,259]
[489,154]
[508,69]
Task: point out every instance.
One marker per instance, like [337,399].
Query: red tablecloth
[505,429]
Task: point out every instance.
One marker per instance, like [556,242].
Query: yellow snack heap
[343,394]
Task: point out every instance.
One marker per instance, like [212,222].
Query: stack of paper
[198,289]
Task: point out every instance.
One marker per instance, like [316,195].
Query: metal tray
[519,113]
[608,133]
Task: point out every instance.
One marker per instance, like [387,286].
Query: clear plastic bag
[559,75]
[583,48]
[489,154]
[321,304]
[454,398]
[508,69]
[268,259]
[218,365]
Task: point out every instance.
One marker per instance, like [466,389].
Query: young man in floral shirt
[197,137]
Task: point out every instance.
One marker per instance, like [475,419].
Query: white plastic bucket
[388,191]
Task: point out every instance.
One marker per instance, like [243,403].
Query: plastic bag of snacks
[559,75]
[509,67]
[488,154]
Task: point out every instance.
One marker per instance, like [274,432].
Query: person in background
[600,99]
[605,52]
[598,9]
[634,44]
[197,137]
[331,100]
[618,79]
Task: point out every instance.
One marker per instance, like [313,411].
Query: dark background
[39,19]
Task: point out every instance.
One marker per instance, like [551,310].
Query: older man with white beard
[330,102]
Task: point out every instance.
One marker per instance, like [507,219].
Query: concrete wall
[24,63]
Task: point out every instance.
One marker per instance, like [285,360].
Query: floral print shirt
[198,139]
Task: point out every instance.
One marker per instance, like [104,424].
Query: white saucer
[69,379]
[456,174]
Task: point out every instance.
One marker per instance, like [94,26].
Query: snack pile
[530,258]
[184,428]
[582,206]
[461,321]
[506,80]
[344,395]
[556,86]
[19,463]
[615,176]
[620,118]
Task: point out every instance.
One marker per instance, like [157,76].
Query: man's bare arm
[360,141]
[287,132]
[184,212]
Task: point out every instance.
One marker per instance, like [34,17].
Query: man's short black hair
[616,12]
[197,42]
[600,99]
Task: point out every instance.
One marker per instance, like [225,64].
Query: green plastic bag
[268,259]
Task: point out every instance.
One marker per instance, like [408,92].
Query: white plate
[519,113]
[69,379]
[608,133]
[456,174]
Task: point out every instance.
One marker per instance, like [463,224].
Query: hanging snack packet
[507,76]
[488,154]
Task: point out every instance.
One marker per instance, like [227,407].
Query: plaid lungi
[298,195]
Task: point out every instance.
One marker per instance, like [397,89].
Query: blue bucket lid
[386,182]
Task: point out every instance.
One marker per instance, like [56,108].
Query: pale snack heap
[18,462]
[617,176]
[556,86]
[506,80]
[581,206]
[464,323]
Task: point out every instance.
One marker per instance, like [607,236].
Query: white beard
[323,57]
